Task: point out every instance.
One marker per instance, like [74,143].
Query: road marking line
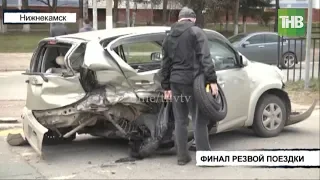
[12,131]
[64,177]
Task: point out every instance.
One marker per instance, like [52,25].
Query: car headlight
[281,75]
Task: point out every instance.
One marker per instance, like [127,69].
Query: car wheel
[213,107]
[270,116]
[288,60]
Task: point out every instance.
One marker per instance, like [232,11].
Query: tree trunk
[169,17]
[134,14]
[200,18]
[276,18]
[4,26]
[54,5]
[115,11]
[25,27]
[227,20]
[236,18]
[164,11]
[85,9]
[80,14]
[151,18]
[128,13]
[244,23]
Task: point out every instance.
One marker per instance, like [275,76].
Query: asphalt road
[13,84]
[93,158]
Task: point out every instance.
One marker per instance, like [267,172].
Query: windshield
[237,38]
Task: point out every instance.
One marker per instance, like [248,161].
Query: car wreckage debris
[141,148]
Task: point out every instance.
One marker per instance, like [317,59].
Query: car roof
[109,33]
[262,32]
[116,32]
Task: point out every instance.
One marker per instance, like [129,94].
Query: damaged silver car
[105,83]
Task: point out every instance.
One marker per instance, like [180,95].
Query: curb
[10,126]
[13,69]
[7,120]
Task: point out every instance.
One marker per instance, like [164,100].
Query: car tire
[288,60]
[270,116]
[214,108]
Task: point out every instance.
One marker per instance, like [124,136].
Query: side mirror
[156,56]
[243,61]
[246,43]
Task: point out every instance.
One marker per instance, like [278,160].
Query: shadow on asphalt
[243,139]
[82,146]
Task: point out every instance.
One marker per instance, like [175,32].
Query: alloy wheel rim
[289,60]
[272,116]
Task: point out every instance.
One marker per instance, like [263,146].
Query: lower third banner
[307,158]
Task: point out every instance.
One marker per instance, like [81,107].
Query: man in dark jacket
[186,54]
[58,29]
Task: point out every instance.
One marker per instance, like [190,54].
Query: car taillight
[52,42]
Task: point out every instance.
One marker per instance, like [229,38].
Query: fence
[291,56]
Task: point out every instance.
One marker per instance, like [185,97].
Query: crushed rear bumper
[33,130]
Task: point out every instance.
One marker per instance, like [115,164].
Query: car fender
[255,96]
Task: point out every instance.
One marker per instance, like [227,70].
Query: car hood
[263,71]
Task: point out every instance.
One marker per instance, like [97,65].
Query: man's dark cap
[186,12]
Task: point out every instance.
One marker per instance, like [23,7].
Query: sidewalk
[14,61]
[13,166]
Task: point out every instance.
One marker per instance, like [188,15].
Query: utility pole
[94,14]
[109,19]
[308,45]
[128,13]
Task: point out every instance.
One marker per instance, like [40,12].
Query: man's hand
[167,95]
[214,89]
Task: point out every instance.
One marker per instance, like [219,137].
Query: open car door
[47,90]
[113,66]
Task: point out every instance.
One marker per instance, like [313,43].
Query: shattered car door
[114,72]
[49,90]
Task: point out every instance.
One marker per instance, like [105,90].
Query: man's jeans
[182,103]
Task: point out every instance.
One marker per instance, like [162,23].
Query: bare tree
[52,7]
[115,11]
[4,26]
[85,9]
[252,8]
[134,13]
[128,13]
[25,5]
[164,11]
[80,14]
[236,17]
[152,4]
